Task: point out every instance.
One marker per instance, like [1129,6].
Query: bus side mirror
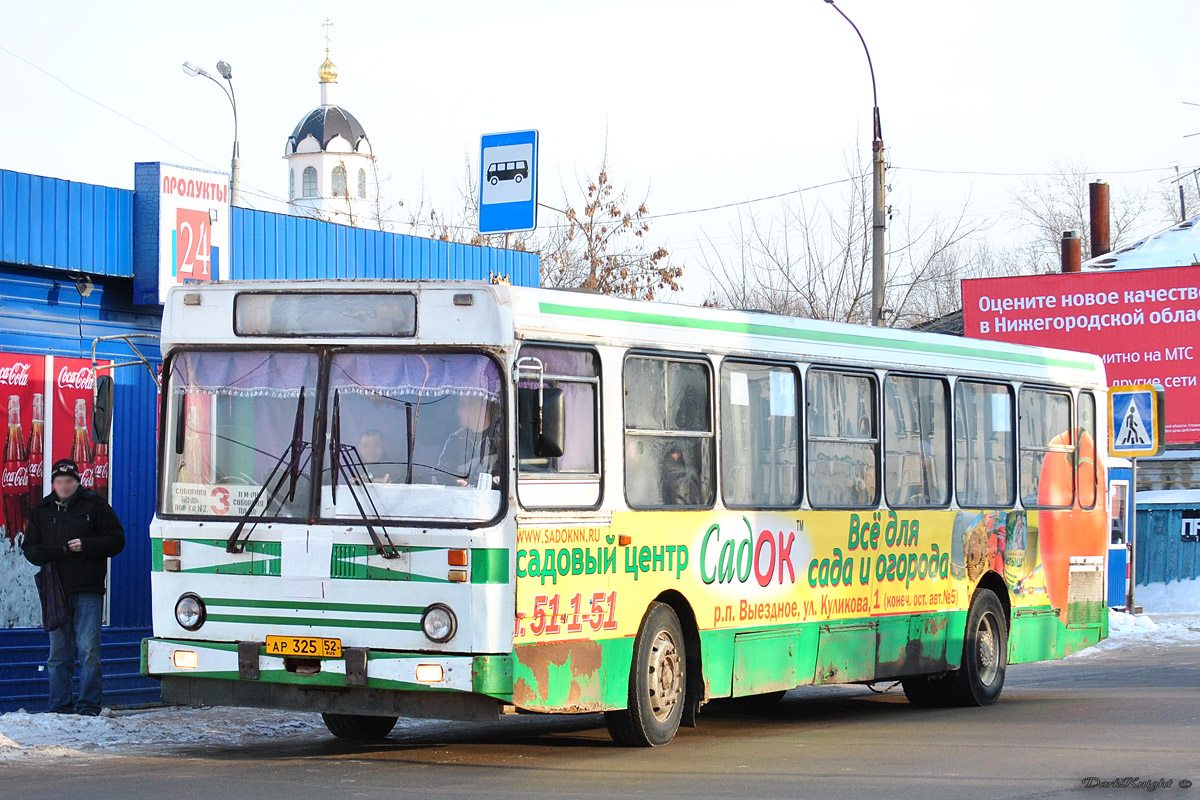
[102,409]
[551,414]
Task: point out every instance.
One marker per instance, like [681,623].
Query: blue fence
[270,246]
[1162,555]
[65,225]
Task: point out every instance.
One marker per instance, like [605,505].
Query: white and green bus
[459,500]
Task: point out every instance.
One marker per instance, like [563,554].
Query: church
[331,167]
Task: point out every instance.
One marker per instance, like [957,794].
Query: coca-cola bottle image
[34,449]
[81,446]
[100,471]
[14,476]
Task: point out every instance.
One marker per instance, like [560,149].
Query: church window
[362,183]
[310,181]
[339,181]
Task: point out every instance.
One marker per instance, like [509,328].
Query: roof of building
[325,123]
[951,323]
[1177,246]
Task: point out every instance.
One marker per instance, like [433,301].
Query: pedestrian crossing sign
[1135,421]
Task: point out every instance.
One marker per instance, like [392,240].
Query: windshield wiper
[292,456]
[345,460]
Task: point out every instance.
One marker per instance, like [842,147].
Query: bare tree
[602,245]
[814,260]
[1060,203]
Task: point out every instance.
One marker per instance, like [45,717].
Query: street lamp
[879,190]
[235,167]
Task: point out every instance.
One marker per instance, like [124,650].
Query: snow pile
[1173,597]
[25,735]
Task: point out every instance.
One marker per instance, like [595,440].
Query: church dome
[326,123]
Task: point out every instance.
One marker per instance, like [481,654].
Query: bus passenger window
[916,441]
[760,447]
[668,433]
[983,445]
[1047,449]
[571,480]
[843,440]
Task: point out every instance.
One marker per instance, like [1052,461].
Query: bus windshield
[420,431]
[408,436]
[230,419]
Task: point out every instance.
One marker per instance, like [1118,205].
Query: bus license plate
[304,646]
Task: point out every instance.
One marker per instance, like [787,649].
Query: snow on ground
[1176,596]
[25,735]
[1170,615]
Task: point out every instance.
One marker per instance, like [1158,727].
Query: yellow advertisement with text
[754,569]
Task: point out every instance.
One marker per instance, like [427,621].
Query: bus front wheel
[359,727]
[980,678]
[657,683]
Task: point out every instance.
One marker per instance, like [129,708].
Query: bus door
[1118,546]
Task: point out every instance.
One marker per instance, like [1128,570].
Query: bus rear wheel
[980,678]
[657,683]
[359,727]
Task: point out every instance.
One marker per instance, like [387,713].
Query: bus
[458,500]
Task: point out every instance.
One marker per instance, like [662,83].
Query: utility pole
[878,191]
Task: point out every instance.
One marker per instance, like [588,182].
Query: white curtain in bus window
[668,433]
[985,474]
[760,443]
[1047,449]
[572,479]
[843,440]
[416,435]
[916,441]
[230,422]
[1087,450]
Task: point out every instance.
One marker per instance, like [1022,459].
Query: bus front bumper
[233,673]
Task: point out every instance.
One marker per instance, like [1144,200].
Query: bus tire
[980,678]
[657,683]
[359,727]
[926,691]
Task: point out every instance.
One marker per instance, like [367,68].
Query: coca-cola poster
[22,399]
[72,384]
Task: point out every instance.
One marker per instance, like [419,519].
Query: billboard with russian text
[1145,324]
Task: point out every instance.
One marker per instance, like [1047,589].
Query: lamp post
[879,189]
[235,165]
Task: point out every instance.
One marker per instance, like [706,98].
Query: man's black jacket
[86,517]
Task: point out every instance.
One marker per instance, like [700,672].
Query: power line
[1029,174]
[109,109]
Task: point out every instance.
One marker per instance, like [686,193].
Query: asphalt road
[1134,712]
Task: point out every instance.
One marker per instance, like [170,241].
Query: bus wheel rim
[987,652]
[665,673]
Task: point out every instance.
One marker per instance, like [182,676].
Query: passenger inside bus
[374,456]
[680,480]
[471,455]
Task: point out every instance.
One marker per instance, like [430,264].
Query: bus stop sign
[508,182]
[1135,419]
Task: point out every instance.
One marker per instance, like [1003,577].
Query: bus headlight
[439,623]
[189,612]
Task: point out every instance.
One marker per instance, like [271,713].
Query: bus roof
[568,315]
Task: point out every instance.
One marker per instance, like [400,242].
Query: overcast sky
[703,103]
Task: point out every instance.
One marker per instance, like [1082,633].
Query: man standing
[76,530]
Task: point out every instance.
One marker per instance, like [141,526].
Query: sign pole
[1129,599]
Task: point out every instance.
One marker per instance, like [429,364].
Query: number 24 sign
[193,246]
